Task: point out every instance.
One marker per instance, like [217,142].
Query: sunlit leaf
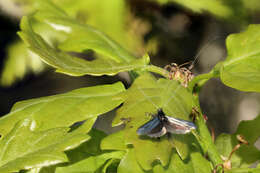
[244,170]
[88,157]
[64,109]
[23,148]
[196,164]
[75,66]
[114,141]
[199,163]
[177,165]
[84,36]
[145,96]
[241,69]
[129,164]
[34,170]
[19,62]
[113,19]
[90,164]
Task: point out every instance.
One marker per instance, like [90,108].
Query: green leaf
[34,170]
[70,65]
[244,157]
[18,62]
[246,154]
[129,164]
[177,165]
[196,164]
[115,141]
[217,8]
[84,36]
[90,164]
[199,163]
[64,109]
[107,10]
[111,166]
[244,170]
[241,69]
[183,144]
[87,157]
[146,95]
[23,148]
[232,9]
[250,129]
[89,148]
[252,5]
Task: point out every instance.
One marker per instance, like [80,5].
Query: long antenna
[196,60]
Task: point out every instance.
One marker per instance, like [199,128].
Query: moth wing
[178,126]
[159,131]
[149,126]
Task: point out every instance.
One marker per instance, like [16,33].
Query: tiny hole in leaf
[130,146]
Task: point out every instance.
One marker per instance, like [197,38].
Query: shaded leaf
[243,157]
[87,149]
[249,129]
[64,109]
[24,148]
[182,144]
[246,155]
[111,166]
[252,5]
[241,69]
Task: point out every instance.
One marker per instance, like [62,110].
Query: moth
[161,124]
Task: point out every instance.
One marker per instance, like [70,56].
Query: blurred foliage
[232,9]
[19,62]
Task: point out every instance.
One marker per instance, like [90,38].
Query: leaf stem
[204,138]
[157,70]
[201,78]
[207,144]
